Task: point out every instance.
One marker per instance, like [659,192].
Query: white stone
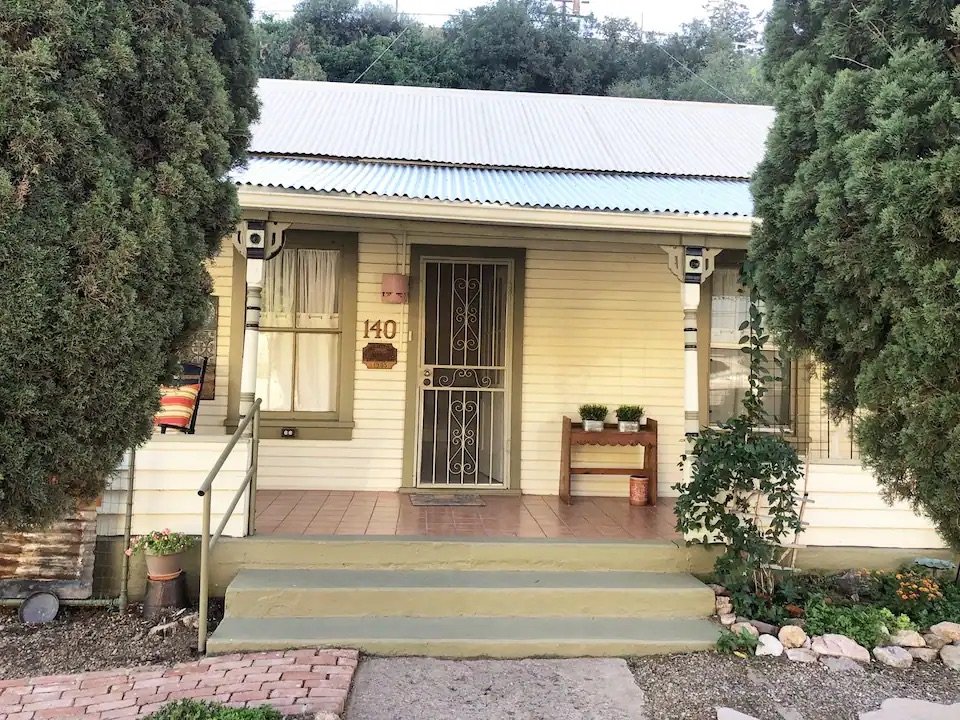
[924,654]
[950,631]
[902,709]
[724,606]
[739,627]
[728,620]
[893,656]
[730,714]
[768,645]
[840,646]
[907,639]
[950,654]
[792,636]
[801,655]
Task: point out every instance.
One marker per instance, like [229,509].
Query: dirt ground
[690,687]
[86,639]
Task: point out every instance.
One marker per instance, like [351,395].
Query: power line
[377,58]
[709,85]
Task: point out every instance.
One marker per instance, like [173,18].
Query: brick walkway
[294,682]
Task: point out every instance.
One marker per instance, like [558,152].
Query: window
[729,367]
[307,342]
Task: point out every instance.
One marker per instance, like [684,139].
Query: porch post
[691,265]
[251,334]
[258,241]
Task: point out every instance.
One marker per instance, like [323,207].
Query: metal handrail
[207,541]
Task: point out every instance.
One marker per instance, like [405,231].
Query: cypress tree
[118,122]
[858,253]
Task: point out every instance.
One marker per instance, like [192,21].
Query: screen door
[464,359]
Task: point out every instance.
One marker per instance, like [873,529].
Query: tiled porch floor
[322,512]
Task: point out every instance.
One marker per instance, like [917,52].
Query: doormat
[449,500]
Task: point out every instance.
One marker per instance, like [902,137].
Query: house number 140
[380,329]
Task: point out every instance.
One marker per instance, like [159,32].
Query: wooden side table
[574,435]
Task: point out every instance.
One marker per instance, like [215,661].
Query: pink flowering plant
[161,542]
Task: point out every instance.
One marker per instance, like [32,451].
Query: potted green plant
[163,551]
[629,418]
[593,416]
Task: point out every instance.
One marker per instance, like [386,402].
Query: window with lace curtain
[307,324]
[729,367]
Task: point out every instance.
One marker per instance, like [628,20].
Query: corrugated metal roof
[509,130]
[528,188]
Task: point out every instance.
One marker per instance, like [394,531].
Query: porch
[321,512]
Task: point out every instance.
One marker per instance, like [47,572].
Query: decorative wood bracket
[690,264]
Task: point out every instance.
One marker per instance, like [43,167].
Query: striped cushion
[177,405]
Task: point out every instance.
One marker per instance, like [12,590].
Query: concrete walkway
[294,682]
[429,689]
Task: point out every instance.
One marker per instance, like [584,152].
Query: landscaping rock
[842,665]
[731,714]
[769,646]
[935,641]
[947,630]
[765,628]
[798,622]
[739,627]
[907,639]
[801,655]
[792,636]
[904,708]
[719,589]
[893,656]
[840,646]
[924,654]
[950,654]
[728,620]
[724,606]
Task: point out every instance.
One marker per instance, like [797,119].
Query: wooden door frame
[512,464]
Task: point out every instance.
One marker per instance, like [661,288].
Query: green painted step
[495,637]
[298,593]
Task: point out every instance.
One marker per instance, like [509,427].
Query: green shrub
[629,413]
[869,625]
[592,411]
[200,710]
[731,642]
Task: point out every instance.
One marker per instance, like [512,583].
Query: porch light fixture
[394,288]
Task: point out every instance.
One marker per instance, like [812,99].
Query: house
[426,281]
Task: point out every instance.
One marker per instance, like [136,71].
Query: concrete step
[300,593]
[495,637]
[399,553]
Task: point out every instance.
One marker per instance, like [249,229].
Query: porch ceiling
[607,192]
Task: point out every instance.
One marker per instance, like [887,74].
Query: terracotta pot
[639,490]
[164,567]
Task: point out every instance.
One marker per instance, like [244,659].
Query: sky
[656,15]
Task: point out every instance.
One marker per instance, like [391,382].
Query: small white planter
[593,425]
[628,426]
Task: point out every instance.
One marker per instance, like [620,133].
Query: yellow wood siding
[372,460]
[168,471]
[602,323]
[212,413]
[848,510]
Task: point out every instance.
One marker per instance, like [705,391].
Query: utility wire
[377,58]
[709,85]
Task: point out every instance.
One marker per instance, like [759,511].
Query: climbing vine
[741,492]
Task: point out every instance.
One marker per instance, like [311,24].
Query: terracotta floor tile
[338,512]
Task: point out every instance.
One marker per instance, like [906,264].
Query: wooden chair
[180,403]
